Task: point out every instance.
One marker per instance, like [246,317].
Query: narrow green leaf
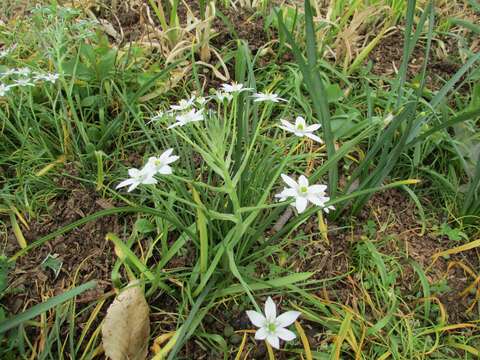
[38,309]
[425,287]
[202,232]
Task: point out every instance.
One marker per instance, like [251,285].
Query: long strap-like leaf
[38,309]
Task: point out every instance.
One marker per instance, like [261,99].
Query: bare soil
[387,57]
[408,243]
[84,253]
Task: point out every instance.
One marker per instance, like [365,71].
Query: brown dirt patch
[247,25]
[134,20]
[387,57]
[398,234]
[397,218]
[84,249]
[84,253]
[138,23]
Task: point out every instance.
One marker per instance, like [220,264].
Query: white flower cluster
[146,175]
[272,328]
[5,52]
[23,77]
[192,110]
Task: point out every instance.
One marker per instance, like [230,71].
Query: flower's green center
[158,163]
[271,327]
[300,127]
[303,189]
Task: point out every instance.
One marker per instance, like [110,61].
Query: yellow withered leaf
[126,327]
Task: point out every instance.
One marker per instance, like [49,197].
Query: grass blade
[425,287]
[340,338]
[38,309]
[314,85]
[202,232]
[94,216]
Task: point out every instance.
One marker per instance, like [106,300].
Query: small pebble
[235,339]
[228,331]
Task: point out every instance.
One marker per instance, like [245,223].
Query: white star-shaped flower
[304,193]
[234,87]
[24,82]
[160,165]
[191,116]
[272,328]
[200,101]
[183,104]
[159,115]
[388,119]
[258,97]
[8,72]
[4,89]
[25,71]
[144,176]
[301,129]
[47,77]
[222,96]
[5,52]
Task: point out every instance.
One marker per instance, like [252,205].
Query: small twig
[282,220]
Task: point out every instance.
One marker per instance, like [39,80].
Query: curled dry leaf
[126,327]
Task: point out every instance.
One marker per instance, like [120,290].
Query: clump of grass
[219,199]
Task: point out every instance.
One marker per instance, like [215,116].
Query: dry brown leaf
[126,327]
[348,43]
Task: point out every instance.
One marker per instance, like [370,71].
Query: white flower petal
[274,341]
[256,318]
[149,169]
[317,189]
[327,209]
[125,183]
[133,186]
[286,128]
[289,181]
[287,319]
[317,200]
[270,309]
[133,172]
[286,193]
[234,87]
[302,181]
[314,137]
[150,181]
[151,160]
[166,154]
[287,125]
[261,334]
[266,97]
[285,334]
[172,159]
[301,204]
[313,127]
[300,121]
[165,170]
